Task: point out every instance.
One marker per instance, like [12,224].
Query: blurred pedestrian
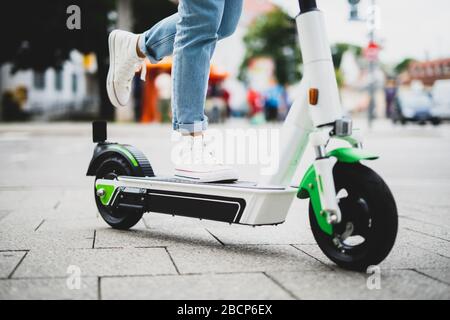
[226,96]
[390,92]
[137,95]
[273,99]
[163,83]
[191,35]
[255,102]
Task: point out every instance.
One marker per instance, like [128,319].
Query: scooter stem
[306,113]
[319,69]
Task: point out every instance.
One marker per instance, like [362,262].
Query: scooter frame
[316,116]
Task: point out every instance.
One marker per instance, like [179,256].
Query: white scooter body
[239,202]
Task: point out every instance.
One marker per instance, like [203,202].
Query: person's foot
[123,64]
[197,163]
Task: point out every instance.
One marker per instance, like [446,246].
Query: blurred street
[50,229]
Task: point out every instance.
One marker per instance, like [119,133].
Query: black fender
[138,161]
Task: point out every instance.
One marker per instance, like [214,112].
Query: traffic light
[354,9]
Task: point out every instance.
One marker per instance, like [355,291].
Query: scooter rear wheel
[122,219]
[368,229]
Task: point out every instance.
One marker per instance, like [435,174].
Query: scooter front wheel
[122,219]
[367,231]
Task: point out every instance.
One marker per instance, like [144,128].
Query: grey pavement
[54,245]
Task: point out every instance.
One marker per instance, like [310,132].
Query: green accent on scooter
[309,187]
[351,155]
[126,153]
[109,191]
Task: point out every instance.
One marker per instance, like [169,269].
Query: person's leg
[197,34]
[127,50]
[191,35]
[195,37]
[157,42]
[230,19]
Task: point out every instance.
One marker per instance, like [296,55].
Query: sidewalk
[50,232]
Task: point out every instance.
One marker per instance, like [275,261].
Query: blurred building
[56,93]
[429,71]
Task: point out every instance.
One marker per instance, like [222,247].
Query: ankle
[192,134]
[139,52]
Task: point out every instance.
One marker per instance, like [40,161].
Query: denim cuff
[143,48]
[197,126]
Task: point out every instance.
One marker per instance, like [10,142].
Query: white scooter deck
[237,202]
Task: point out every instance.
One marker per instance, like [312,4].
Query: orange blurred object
[149,103]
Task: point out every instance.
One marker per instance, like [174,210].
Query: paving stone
[17,222]
[428,242]
[402,256]
[441,231]
[295,230]
[77,203]
[72,224]
[96,262]
[439,274]
[412,257]
[8,262]
[28,200]
[70,218]
[57,234]
[405,284]
[47,289]
[430,210]
[82,239]
[4,213]
[250,258]
[249,286]
[314,251]
[167,232]
[282,234]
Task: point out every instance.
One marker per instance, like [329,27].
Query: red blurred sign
[372,51]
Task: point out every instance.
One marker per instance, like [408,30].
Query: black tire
[370,209]
[110,168]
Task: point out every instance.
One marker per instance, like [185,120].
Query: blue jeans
[191,35]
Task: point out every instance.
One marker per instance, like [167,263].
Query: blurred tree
[337,52]
[35,35]
[274,35]
[403,65]
[339,49]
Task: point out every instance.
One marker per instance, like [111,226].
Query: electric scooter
[352,212]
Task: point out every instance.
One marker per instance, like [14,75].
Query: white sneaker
[123,64]
[197,163]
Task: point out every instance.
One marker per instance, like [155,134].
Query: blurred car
[441,99]
[414,106]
